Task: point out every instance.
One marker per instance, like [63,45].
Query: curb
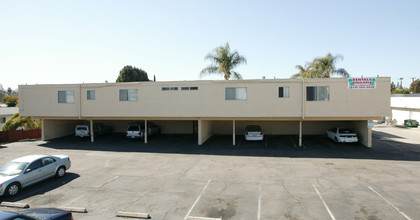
[133,215]
[15,205]
[74,209]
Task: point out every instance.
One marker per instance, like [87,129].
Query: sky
[78,41]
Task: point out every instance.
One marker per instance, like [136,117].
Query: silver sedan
[25,171]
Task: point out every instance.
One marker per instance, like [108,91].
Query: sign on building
[362,83]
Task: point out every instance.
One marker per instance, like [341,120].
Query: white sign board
[362,83]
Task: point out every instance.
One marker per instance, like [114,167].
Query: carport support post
[234,133]
[300,133]
[43,129]
[92,133]
[145,131]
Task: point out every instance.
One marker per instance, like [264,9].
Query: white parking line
[196,201]
[259,202]
[116,177]
[325,204]
[203,218]
[402,213]
[72,201]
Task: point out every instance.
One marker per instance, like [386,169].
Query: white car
[254,133]
[25,171]
[136,130]
[342,135]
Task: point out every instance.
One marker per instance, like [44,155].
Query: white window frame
[131,95]
[322,93]
[286,92]
[236,93]
[90,95]
[68,97]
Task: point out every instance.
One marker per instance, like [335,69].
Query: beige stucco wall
[205,130]
[57,128]
[209,100]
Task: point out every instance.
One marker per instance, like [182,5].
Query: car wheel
[13,189]
[336,140]
[61,171]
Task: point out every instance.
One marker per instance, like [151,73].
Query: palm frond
[209,70]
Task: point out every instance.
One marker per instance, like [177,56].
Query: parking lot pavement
[173,178]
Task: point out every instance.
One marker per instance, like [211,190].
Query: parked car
[342,135]
[98,130]
[136,130]
[37,214]
[25,171]
[411,123]
[254,133]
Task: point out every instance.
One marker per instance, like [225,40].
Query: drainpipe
[80,101]
[303,112]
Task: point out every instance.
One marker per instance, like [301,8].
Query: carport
[208,128]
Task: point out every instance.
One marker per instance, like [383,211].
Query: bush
[10,100]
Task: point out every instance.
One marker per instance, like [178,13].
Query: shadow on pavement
[41,187]
[272,146]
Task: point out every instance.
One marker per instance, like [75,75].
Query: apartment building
[281,106]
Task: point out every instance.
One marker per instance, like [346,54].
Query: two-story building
[280,106]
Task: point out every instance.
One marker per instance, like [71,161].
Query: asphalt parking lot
[173,178]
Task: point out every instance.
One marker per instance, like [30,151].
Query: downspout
[80,101]
[303,112]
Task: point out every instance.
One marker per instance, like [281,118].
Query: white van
[98,130]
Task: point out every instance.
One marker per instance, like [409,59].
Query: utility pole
[401,79]
[412,79]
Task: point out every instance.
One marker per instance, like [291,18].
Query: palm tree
[321,67]
[223,62]
[304,72]
[325,66]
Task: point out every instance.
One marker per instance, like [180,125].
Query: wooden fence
[11,136]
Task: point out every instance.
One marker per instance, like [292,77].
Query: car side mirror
[28,170]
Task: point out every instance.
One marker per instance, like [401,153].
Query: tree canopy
[415,86]
[223,61]
[15,122]
[321,67]
[132,74]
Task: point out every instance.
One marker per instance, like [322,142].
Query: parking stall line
[196,201]
[116,177]
[72,201]
[325,204]
[402,213]
[259,202]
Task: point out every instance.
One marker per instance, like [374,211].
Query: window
[189,88]
[65,96]
[128,95]
[34,165]
[169,88]
[236,93]
[47,160]
[90,95]
[3,120]
[284,92]
[317,93]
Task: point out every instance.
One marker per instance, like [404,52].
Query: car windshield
[81,128]
[13,168]
[253,128]
[345,130]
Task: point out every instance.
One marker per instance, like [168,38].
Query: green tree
[393,87]
[15,122]
[223,61]
[415,86]
[321,67]
[132,74]
[10,100]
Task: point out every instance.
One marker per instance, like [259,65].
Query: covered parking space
[208,128]
[58,127]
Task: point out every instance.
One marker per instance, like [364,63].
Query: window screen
[284,92]
[317,93]
[65,96]
[91,95]
[236,93]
